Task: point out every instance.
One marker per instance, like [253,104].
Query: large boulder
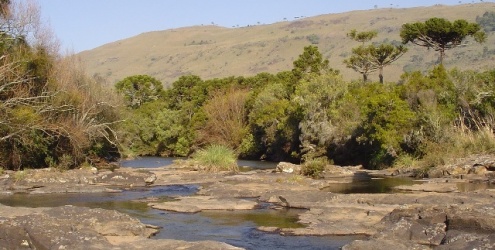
[289,168]
[442,227]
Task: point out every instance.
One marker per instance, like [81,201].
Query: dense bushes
[311,113]
[304,114]
[51,114]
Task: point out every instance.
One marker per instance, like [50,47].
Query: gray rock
[195,204]
[83,228]
[150,180]
[381,244]
[289,168]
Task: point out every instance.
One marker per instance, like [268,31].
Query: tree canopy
[384,55]
[367,59]
[364,36]
[310,61]
[139,89]
[440,34]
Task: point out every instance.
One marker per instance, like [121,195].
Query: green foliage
[50,110]
[248,146]
[216,158]
[440,34]
[316,97]
[311,114]
[65,163]
[384,55]
[20,175]
[310,61]
[274,122]
[362,37]
[314,167]
[361,62]
[139,89]
[185,92]
[387,119]
[367,59]
[434,99]
[153,129]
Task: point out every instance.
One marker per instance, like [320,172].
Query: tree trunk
[380,75]
[442,54]
[365,77]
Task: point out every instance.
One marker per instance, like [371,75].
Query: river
[237,228]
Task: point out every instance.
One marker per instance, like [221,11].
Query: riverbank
[432,212]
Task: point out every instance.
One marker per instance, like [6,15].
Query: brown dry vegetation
[212,51]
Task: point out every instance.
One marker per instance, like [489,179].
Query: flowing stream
[237,228]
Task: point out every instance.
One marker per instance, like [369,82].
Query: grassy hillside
[212,51]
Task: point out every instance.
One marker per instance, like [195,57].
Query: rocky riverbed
[431,213]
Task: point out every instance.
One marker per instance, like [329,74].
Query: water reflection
[286,218]
[368,185]
[237,228]
[156,162]
[473,186]
[148,162]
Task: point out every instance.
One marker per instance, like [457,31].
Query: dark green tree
[440,34]
[187,89]
[384,55]
[310,61]
[139,89]
[361,61]
[362,37]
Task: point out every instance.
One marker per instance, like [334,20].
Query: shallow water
[156,162]
[473,186]
[369,185]
[237,228]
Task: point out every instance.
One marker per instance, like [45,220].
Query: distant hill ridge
[215,52]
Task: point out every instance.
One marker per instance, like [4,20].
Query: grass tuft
[215,158]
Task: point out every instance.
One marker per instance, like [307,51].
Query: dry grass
[210,51]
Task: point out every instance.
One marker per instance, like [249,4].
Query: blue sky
[86,24]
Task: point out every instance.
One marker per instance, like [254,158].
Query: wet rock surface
[431,213]
[45,181]
[199,203]
[70,227]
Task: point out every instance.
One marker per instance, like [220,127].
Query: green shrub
[314,167]
[65,162]
[20,175]
[216,158]
[405,161]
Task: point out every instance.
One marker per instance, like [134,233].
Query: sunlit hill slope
[213,52]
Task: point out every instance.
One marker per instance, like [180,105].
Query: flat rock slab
[71,227]
[68,227]
[345,219]
[430,187]
[176,244]
[196,204]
